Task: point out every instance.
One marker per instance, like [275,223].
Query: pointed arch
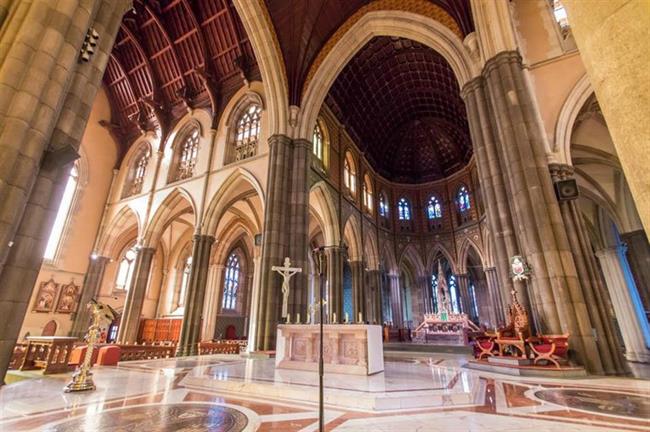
[464,251]
[573,104]
[388,260]
[178,202]
[238,182]
[409,25]
[352,238]
[126,219]
[438,250]
[411,255]
[322,204]
[371,252]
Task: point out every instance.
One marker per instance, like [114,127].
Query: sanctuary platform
[347,348]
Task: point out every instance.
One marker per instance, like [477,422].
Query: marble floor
[229,393]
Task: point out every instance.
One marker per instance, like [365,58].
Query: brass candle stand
[82,378]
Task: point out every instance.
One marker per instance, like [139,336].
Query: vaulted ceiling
[172,54]
[401,102]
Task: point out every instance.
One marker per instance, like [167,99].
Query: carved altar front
[347,348]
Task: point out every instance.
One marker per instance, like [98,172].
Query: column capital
[500,59]
[561,171]
[301,142]
[279,139]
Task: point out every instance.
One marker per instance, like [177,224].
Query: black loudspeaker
[258,239]
[566,190]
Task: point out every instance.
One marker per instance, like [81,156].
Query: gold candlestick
[82,379]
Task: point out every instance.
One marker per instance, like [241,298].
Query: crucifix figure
[286,271]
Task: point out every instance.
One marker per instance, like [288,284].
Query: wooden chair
[550,348]
[511,338]
[485,345]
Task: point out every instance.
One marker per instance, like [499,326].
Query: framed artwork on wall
[47,293]
[68,299]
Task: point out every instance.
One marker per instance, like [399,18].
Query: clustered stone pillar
[285,233]
[374,284]
[638,256]
[522,209]
[334,259]
[494,294]
[130,320]
[395,300]
[628,320]
[612,37]
[593,289]
[89,290]
[195,296]
[358,298]
[47,97]
[211,306]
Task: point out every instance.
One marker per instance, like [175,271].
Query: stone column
[357,268]
[556,297]
[90,289]
[638,256]
[617,69]
[628,320]
[285,232]
[395,300]
[195,296]
[374,285]
[212,304]
[334,259]
[494,292]
[463,291]
[255,306]
[590,280]
[46,102]
[424,296]
[130,321]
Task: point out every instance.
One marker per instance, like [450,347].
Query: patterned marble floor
[155,396]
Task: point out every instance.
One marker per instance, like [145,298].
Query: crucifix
[286,271]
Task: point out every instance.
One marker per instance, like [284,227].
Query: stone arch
[322,204]
[371,252]
[411,255]
[352,238]
[142,148]
[388,259]
[422,29]
[567,118]
[440,249]
[464,251]
[176,203]
[249,98]
[238,182]
[257,23]
[125,219]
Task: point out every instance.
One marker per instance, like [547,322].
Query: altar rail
[50,353]
[146,352]
[222,347]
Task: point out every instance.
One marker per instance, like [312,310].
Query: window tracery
[349,174]
[403,209]
[187,155]
[185,281]
[139,170]
[434,209]
[462,198]
[62,215]
[383,205]
[125,269]
[231,283]
[248,131]
[317,142]
[367,194]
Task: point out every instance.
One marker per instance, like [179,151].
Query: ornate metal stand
[82,379]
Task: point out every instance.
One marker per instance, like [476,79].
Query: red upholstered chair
[78,355]
[231,332]
[485,346]
[551,348]
[108,355]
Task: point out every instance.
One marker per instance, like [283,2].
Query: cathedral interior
[461,188]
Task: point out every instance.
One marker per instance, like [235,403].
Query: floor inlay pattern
[600,402]
[158,418]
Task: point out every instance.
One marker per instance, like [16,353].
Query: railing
[222,347]
[18,355]
[50,353]
[146,352]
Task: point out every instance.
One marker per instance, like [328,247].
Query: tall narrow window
[349,174]
[317,142]
[231,283]
[185,281]
[462,198]
[53,243]
[559,12]
[383,205]
[434,209]
[367,194]
[125,269]
[140,170]
[403,209]
[472,293]
[187,153]
[248,132]
[453,294]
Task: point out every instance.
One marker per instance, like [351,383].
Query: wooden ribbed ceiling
[173,54]
[401,102]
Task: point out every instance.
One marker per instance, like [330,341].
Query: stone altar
[347,348]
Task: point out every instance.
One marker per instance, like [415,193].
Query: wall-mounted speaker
[258,239]
[566,190]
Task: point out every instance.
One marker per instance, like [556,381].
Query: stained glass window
[231,283]
[434,291]
[434,209]
[383,205]
[462,198]
[138,174]
[349,175]
[317,142]
[472,293]
[187,155]
[367,194]
[453,293]
[403,209]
